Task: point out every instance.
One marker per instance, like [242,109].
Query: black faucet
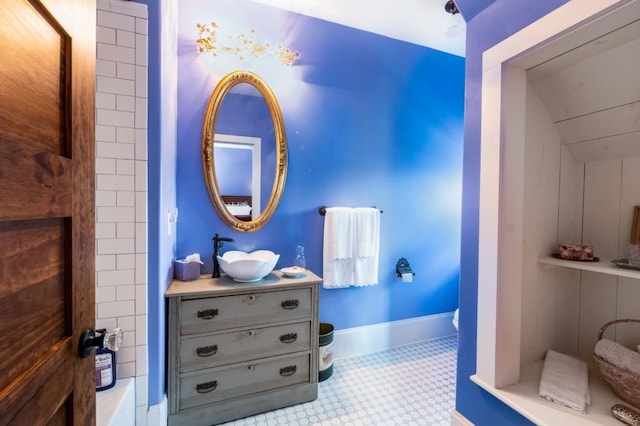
[217,243]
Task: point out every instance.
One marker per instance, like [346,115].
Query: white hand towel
[338,248]
[351,247]
[367,249]
[565,381]
[618,355]
[338,232]
[367,229]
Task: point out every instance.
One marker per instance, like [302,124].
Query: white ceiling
[422,22]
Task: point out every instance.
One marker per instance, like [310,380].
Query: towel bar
[323,210]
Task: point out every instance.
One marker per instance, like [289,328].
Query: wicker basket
[625,384]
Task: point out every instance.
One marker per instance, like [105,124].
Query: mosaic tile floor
[407,385]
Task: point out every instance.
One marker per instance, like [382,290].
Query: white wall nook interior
[560,164]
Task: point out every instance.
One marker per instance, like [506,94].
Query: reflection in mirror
[245,169]
[238,168]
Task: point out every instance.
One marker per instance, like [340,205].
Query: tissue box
[186,271]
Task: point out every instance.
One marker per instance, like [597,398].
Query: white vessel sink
[248,267]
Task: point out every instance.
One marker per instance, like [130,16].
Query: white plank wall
[541,185]
[582,180]
[571,200]
[628,303]
[568,201]
[600,228]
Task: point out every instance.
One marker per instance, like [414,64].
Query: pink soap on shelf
[576,251]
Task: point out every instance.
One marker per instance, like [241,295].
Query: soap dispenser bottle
[105,369]
[106,344]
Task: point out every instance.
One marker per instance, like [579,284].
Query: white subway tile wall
[121,185]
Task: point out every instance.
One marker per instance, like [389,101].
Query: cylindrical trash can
[325,355]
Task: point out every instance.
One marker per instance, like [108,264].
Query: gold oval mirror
[243,212]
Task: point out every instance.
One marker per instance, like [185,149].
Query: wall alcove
[560,163]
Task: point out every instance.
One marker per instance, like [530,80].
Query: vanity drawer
[239,346]
[215,313]
[218,384]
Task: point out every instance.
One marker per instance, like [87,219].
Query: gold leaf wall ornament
[246,47]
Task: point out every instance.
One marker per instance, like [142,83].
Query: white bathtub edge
[117,406]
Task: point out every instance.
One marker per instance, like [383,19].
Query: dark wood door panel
[34,298]
[34,74]
[41,392]
[35,184]
[47,196]
[32,252]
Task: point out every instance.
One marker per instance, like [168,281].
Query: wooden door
[47,149]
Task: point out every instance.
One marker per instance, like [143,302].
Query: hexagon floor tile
[412,385]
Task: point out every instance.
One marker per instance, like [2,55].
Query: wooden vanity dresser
[238,349]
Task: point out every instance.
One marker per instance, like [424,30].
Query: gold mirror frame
[208,132]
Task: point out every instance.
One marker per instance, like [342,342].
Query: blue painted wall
[498,21]
[369,121]
[362,156]
[162,113]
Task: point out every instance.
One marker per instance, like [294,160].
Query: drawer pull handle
[289,370]
[290,304]
[289,337]
[207,351]
[208,314]
[207,386]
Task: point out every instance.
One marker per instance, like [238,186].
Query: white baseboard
[378,337]
[157,415]
[458,419]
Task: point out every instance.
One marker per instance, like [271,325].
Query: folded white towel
[565,381]
[351,247]
[338,248]
[367,250]
[618,355]
[367,231]
[338,233]
[365,271]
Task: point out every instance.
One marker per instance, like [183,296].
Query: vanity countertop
[205,284]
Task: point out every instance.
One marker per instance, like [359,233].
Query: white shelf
[604,266]
[523,397]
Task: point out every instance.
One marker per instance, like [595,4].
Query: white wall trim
[157,414]
[458,419]
[378,337]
